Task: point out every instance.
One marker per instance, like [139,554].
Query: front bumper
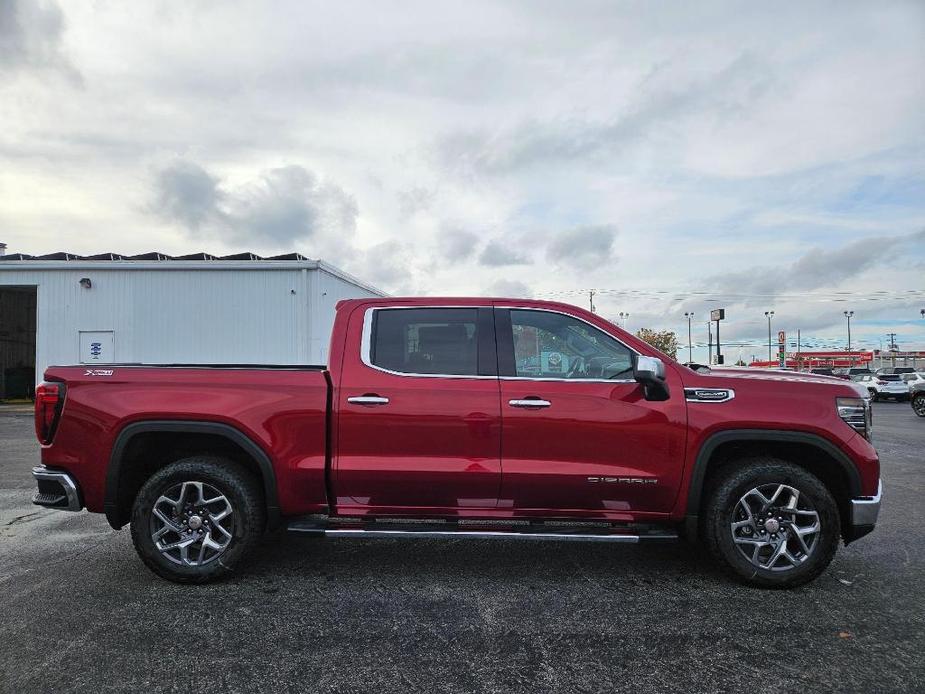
[57,489]
[864,513]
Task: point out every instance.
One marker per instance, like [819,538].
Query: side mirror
[650,372]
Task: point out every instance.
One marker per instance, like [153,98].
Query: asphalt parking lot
[79,612]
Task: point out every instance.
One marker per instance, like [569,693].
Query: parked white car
[883,386]
[911,379]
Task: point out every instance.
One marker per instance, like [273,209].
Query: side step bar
[481,530]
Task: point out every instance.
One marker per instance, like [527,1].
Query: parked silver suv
[883,386]
[917,393]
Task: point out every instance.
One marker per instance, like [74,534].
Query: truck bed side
[282,413]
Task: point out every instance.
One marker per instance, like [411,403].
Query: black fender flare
[714,441]
[116,458]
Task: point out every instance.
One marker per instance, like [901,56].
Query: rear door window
[433,341]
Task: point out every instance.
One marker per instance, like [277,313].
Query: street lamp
[848,315]
[624,317]
[690,344]
[769,315]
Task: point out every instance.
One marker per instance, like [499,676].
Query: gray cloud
[30,37]
[188,194]
[497,254]
[385,264]
[457,244]
[415,200]
[583,247]
[656,109]
[281,206]
[818,267]
[514,289]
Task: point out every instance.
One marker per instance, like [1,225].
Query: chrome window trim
[568,380]
[366,345]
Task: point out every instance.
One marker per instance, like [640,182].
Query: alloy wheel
[918,405]
[774,527]
[192,523]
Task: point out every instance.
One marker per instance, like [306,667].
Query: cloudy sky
[673,157]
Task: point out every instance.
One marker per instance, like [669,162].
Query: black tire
[918,404]
[722,504]
[243,525]
[873,394]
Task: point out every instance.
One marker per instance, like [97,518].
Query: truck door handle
[367,400]
[530,402]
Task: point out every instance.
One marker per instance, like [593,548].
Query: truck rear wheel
[772,524]
[194,519]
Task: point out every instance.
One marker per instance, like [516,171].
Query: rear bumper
[56,489]
[864,513]
[894,393]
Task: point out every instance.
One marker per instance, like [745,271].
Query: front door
[578,435]
[418,422]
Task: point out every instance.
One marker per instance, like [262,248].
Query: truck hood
[784,377]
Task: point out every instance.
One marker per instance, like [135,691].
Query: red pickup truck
[480,418]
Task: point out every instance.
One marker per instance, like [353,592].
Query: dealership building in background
[152,308]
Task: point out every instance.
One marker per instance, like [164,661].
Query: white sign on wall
[96,347]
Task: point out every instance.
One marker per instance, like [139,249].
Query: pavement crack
[25,518]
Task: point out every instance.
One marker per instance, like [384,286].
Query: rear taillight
[49,399]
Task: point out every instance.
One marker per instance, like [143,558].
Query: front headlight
[856,413]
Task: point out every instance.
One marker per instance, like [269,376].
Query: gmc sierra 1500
[482,418]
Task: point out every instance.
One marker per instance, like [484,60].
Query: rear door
[578,436]
[418,426]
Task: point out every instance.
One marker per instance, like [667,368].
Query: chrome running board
[480,530]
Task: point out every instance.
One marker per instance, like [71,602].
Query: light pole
[769,315]
[624,317]
[690,344]
[848,315]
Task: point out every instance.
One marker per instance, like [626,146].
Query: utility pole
[848,315]
[769,315]
[799,355]
[591,300]
[709,341]
[690,343]
[892,337]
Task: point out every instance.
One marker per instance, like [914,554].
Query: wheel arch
[142,448]
[812,452]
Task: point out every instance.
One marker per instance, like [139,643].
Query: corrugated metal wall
[221,316]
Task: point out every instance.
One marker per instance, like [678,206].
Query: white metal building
[156,309]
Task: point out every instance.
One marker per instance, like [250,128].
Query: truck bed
[281,409]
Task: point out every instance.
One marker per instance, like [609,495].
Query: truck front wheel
[918,404]
[771,523]
[194,519]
